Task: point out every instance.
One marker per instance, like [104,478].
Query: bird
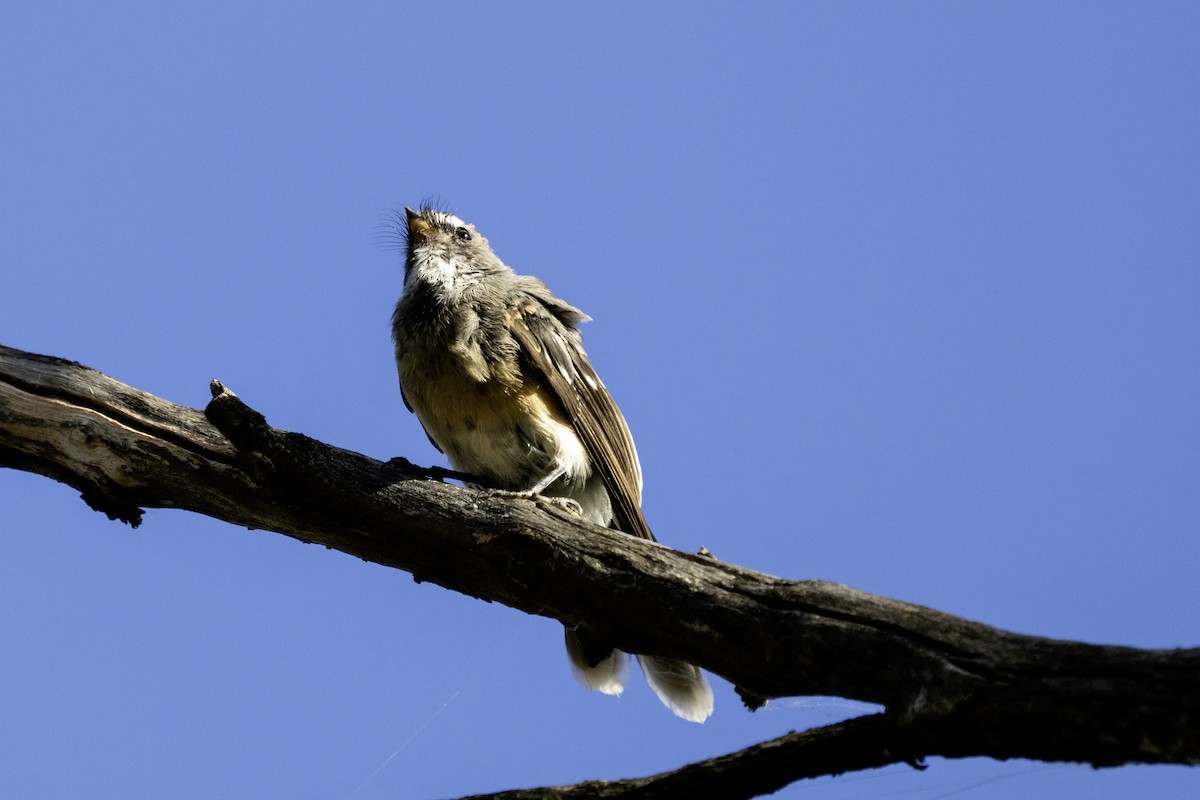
[492,364]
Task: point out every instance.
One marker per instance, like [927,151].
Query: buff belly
[512,435]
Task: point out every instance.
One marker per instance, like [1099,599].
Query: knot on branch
[245,428]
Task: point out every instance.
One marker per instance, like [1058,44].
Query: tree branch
[951,686]
[871,741]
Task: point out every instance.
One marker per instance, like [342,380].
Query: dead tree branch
[951,687]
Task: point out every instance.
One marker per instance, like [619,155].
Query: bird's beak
[417,225]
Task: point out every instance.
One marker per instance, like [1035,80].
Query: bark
[951,687]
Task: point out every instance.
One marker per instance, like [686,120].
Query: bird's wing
[543,326]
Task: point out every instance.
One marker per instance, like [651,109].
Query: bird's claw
[565,503]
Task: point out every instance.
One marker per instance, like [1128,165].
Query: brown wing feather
[555,350]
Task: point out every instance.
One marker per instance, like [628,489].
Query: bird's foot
[565,503]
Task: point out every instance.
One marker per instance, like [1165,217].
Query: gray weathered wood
[951,686]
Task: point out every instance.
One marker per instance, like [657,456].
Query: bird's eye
[463,234]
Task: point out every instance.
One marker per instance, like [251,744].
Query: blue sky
[898,295]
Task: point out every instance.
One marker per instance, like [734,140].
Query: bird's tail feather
[607,677]
[680,685]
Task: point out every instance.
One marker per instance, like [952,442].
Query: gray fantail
[493,366]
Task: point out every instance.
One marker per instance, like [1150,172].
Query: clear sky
[901,295]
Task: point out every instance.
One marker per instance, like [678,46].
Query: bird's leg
[541,485]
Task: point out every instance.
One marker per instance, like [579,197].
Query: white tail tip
[681,686]
[607,677]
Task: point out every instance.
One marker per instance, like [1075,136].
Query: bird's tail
[607,677]
[679,685]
